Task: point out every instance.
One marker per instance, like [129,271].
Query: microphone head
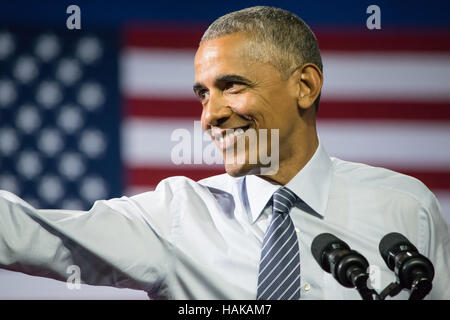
[391,244]
[324,243]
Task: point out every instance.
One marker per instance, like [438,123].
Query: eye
[203,94]
[233,86]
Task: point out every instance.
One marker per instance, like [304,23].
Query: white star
[8,93]
[9,182]
[68,71]
[29,164]
[47,47]
[25,69]
[28,119]
[71,165]
[49,94]
[51,188]
[93,188]
[92,143]
[7,45]
[91,96]
[70,118]
[50,141]
[9,142]
[89,49]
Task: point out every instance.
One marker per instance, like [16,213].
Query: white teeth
[229,135]
[233,134]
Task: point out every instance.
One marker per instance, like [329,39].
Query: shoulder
[223,182]
[178,184]
[391,200]
[376,179]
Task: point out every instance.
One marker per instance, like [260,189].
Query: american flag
[88,116]
[59,117]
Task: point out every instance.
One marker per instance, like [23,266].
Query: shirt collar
[311,184]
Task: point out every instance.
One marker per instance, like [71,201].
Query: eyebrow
[224,78]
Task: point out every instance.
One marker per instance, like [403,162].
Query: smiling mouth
[228,137]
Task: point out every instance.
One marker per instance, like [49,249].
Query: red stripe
[144,177]
[162,37]
[398,110]
[188,37]
[369,40]
[173,108]
[328,109]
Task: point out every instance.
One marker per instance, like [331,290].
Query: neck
[298,157]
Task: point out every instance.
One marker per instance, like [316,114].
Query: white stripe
[286,199]
[274,231]
[147,142]
[289,191]
[273,256]
[295,291]
[277,201]
[352,75]
[287,277]
[390,76]
[273,280]
[157,73]
[409,145]
[276,241]
[273,269]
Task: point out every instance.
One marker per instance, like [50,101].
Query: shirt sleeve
[439,250]
[112,244]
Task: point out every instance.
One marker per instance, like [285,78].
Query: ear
[309,80]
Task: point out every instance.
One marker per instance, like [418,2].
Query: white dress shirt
[202,240]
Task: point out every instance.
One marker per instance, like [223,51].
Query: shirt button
[307,287]
[296,230]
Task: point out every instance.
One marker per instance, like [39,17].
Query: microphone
[413,270]
[347,266]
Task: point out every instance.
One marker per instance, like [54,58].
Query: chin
[241,170]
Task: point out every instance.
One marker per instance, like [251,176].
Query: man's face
[238,92]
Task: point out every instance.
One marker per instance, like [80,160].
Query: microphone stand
[391,290]
[419,289]
[359,280]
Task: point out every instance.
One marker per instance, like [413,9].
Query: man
[246,234]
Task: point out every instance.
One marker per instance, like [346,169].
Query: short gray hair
[287,40]
[276,28]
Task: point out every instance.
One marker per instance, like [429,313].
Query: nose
[216,111]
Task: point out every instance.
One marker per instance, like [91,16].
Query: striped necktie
[279,268]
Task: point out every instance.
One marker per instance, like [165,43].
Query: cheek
[239,102]
[284,111]
[248,106]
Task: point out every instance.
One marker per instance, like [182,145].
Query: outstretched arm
[112,243]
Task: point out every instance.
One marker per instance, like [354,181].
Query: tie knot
[283,200]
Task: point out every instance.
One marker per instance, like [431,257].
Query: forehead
[226,54]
